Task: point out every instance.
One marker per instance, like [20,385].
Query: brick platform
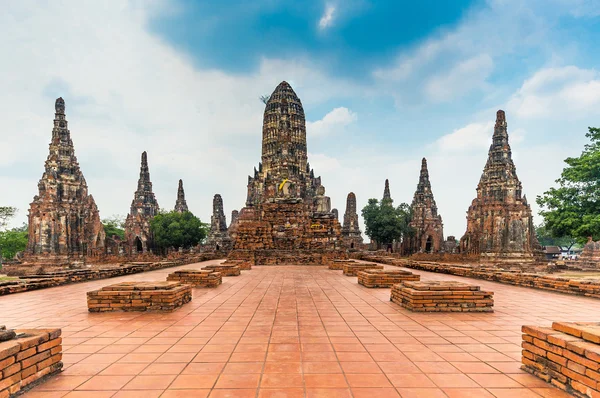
[338,265]
[566,355]
[442,296]
[225,270]
[33,355]
[139,296]
[385,278]
[353,269]
[196,277]
[243,264]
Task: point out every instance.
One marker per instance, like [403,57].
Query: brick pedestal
[566,355]
[385,278]
[196,277]
[139,296]
[225,270]
[444,296]
[33,355]
[338,265]
[353,269]
[244,265]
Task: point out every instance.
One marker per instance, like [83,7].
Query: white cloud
[474,136]
[326,20]
[564,92]
[462,78]
[334,121]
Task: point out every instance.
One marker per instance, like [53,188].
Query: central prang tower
[284,154]
[287,218]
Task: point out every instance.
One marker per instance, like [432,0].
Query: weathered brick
[11,370]
[26,353]
[8,348]
[49,344]
[9,381]
[35,359]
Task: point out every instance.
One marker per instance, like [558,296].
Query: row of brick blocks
[566,355]
[409,292]
[33,355]
[158,295]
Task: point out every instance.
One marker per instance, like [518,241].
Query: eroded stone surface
[499,220]
[143,208]
[287,218]
[64,222]
[180,204]
[426,222]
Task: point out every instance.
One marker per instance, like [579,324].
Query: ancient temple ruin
[351,235]
[180,204]
[218,236]
[499,220]
[143,208]
[64,222]
[386,192]
[287,218]
[427,228]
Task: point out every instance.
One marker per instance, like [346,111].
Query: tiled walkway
[292,332]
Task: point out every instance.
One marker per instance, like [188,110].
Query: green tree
[385,223]
[546,238]
[13,241]
[174,229]
[6,213]
[573,208]
[114,226]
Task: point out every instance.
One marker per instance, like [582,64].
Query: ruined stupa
[218,236]
[180,204]
[287,218]
[426,223]
[64,222]
[351,234]
[499,220]
[143,208]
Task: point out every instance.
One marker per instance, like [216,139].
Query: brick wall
[566,355]
[34,354]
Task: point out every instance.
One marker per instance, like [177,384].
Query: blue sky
[383,83]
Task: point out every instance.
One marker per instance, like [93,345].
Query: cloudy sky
[383,83]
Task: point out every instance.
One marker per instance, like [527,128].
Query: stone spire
[386,191]
[499,220]
[426,222]
[181,204]
[143,208]
[234,217]
[336,213]
[63,219]
[284,170]
[351,234]
[218,238]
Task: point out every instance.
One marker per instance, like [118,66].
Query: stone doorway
[429,245]
[139,247]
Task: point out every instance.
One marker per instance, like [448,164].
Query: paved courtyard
[292,332]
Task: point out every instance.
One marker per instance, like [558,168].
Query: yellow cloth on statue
[282,184]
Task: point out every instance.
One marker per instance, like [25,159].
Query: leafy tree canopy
[6,213]
[174,229]
[385,223]
[573,208]
[114,225]
[13,241]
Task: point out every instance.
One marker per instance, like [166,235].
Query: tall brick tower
[64,222]
[499,220]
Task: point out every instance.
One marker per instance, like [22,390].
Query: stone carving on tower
[143,208]
[218,238]
[499,220]
[181,205]
[351,234]
[287,218]
[426,223]
[64,222]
